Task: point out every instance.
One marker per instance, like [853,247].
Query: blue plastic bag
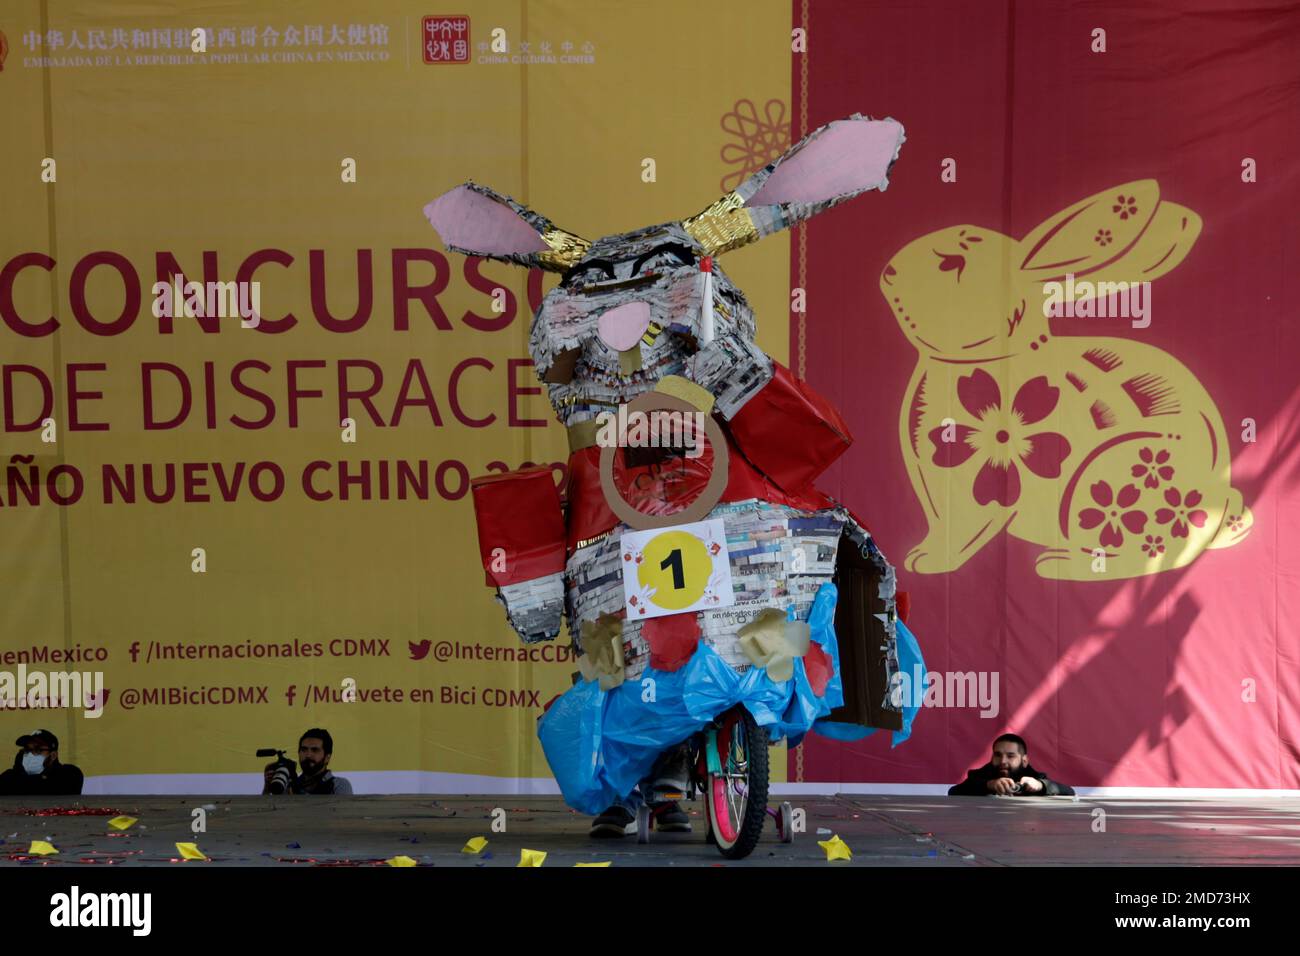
[601,744]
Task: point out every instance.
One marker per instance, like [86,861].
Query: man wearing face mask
[37,771]
[315,748]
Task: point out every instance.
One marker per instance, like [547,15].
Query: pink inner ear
[848,157]
[470,220]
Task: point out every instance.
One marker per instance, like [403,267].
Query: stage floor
[880,831]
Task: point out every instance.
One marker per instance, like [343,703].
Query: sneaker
[670,818]
[617,821]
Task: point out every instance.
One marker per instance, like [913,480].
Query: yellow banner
[252,527]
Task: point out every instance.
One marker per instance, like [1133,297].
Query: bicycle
[729,765]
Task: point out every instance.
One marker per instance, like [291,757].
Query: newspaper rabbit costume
[649,319]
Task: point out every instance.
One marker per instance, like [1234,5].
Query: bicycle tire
[736,840]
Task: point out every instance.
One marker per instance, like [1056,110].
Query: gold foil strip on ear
[566,250]
[723,226]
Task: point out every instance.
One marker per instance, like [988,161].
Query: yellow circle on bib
[677,565]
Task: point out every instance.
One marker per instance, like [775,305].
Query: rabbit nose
[888,274]
[622,327]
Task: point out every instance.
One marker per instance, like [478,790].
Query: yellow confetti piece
[41,848]
[122,823]
[836,849]
[531,858]
[475,845]
[400,861]
[190,851]
[606,863]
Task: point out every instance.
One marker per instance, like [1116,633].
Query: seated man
[1009,774]
[37,771]
[315,748]
[671,773]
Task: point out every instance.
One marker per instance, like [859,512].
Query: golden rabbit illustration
[1089,446]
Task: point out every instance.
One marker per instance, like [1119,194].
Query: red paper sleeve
[789,432]
[520,514]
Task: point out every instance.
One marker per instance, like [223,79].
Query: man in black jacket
[1009,774]
[37,772]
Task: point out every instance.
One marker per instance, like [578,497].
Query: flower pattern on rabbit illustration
[1080,444]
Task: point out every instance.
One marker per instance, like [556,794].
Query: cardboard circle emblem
[696,510]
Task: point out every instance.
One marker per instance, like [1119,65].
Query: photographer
[315,748]
[37,771]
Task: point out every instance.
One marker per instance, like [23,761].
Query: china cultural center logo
[445,39]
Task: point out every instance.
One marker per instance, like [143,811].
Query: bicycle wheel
[738,778]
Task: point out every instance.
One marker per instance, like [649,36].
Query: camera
[283,774]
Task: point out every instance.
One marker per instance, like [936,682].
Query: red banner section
[1064,340]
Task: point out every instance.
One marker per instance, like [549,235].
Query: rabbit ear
[475,221]
[1122,234]
[833,163]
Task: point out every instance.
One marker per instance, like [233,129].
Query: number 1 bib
[676,569]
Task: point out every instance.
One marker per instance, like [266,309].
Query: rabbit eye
[597,270]
[950,261]
[669,255]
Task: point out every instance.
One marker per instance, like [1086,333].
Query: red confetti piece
[317,862]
